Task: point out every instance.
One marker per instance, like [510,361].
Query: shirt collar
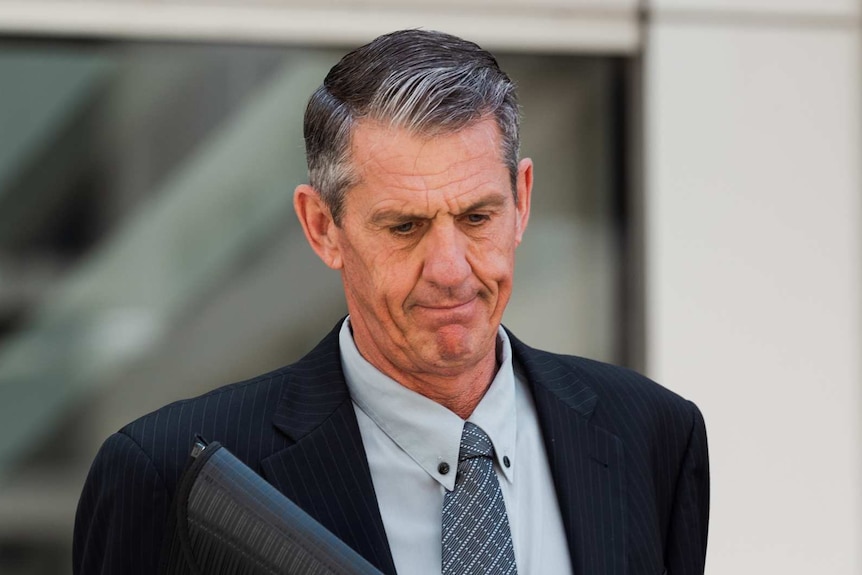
[428,432]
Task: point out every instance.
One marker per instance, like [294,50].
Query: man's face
[426,246]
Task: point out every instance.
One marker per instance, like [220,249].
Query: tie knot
[474,443]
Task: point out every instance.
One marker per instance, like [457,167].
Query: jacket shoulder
[621,383]
[625,400]
[239,416]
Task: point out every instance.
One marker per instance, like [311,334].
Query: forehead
[385,157]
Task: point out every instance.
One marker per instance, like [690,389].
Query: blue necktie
[476,535]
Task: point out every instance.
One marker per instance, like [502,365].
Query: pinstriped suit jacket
[629,460]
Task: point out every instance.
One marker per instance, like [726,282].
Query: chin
[457,346]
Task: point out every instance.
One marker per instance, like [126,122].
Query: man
[419,415]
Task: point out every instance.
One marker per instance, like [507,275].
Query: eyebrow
[390,216]
[494,201]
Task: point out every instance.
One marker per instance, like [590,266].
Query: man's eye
[404,228]
[477,218]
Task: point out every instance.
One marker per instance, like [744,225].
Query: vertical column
[754,267]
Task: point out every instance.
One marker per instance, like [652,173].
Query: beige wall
[608,26]
[753,268]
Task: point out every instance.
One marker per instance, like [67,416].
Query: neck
[459,392]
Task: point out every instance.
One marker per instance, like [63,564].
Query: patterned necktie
[476,536]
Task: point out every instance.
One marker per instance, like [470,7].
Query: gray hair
[429,83]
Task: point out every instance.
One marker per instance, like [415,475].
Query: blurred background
[696,216]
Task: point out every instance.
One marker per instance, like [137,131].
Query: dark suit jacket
[629,461]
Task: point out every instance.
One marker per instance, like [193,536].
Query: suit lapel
[325,471]
[586,462]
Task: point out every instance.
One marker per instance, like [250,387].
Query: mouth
[446,306]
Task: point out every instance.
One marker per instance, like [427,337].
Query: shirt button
[506,461]
[443,468]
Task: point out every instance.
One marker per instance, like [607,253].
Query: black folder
[226,519]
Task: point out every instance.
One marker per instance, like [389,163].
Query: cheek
[493,261]
[389,268]
[358,273]
[382,276]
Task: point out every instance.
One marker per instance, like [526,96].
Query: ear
[525,188]
[318,225]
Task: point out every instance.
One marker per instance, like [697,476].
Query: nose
[446,264]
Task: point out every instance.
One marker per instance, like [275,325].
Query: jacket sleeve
[122,513]
[685,548]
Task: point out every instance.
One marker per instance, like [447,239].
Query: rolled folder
[226,519]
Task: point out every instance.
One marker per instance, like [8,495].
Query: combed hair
[426,82]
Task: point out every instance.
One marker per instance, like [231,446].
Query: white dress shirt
[407,436]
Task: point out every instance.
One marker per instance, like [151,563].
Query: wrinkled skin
[426,251]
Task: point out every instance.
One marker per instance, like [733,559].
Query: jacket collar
[315,388]
[326,471]
[546,371]
[586,460]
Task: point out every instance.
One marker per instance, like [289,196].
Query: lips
[437,315]
[445,306]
